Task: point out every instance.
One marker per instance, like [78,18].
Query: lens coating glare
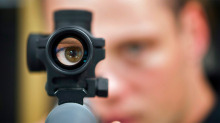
[69,51]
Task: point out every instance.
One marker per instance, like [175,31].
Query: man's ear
[195,28]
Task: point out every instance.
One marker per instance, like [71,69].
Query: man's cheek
[151,67]
[159,70]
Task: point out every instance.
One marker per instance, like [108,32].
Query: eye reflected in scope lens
[69,51]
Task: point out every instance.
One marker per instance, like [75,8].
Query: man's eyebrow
[140,37]
[70,40]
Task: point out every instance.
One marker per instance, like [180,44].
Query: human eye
[133,51]
[69,53]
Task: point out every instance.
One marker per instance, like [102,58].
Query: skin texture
[153,60]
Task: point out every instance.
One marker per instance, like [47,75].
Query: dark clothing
[214,116]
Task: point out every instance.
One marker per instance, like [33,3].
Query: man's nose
[117,89]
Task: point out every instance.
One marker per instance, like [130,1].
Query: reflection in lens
[69,51]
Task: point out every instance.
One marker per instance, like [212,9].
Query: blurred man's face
[146,62]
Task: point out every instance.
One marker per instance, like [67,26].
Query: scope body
[69,55]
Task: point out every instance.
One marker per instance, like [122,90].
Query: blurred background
[23,98]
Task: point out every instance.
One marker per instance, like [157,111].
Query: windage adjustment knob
[102,87]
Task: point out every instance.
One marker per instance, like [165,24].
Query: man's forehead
[59,4]
[130,14]
[107,11]
[115,18]
[125,11]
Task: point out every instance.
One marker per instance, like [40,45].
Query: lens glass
[69,51]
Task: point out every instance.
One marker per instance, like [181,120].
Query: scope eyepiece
[69,49]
